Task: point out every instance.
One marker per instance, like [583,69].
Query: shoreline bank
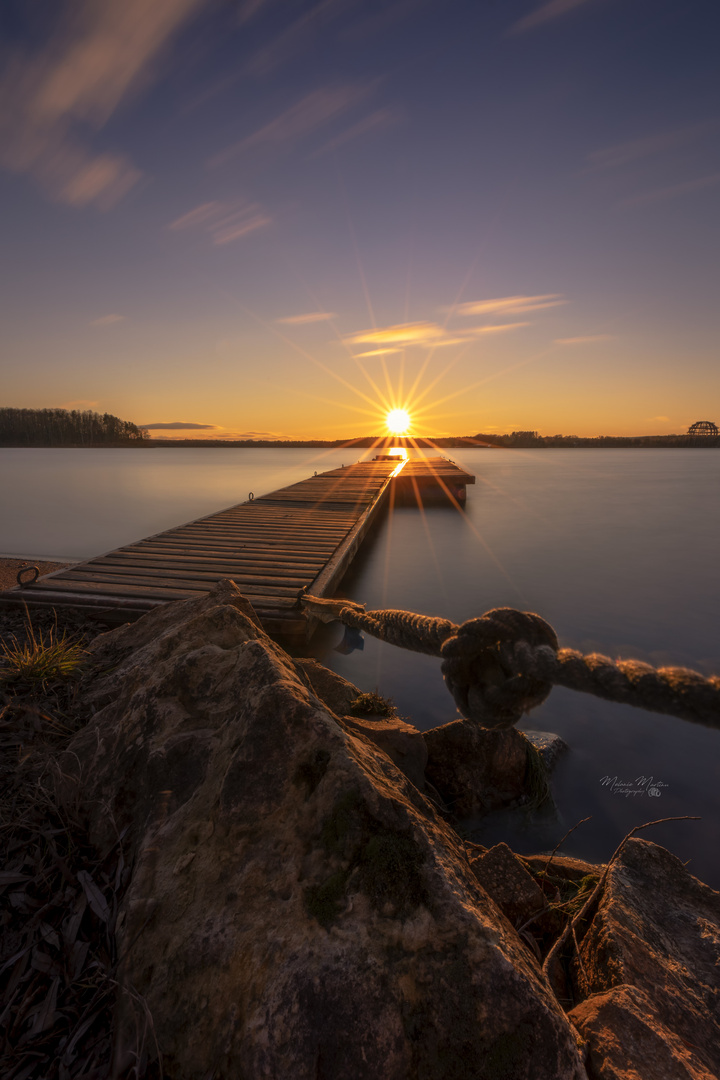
[9,568]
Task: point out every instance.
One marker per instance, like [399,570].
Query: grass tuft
[372,704]
[41,659]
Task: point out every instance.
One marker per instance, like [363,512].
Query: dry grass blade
[95,898]
[40,659]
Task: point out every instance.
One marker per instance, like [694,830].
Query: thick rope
[506,662]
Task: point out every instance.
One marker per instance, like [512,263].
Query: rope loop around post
[486,686]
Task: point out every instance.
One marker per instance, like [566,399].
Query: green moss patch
[323,901]
[385,864]
[390,865]
[311,770]
[537,782]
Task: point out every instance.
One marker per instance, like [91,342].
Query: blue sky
[269,216]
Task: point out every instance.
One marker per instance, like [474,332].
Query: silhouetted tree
[58,427]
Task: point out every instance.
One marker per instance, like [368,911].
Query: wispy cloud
[224,222]
[500,328]
[378,352]
[417,333]
[663,419]
[181,430]
[379,120]
[80,403]
[248,9]
[76,80]
[429,334]
[254,435]
[545,13]
[588,339]
[672,192]
[296,36]
[509,305]
[180,425]
[107,320]
[311,317]
[301,119]
[372,24]
[625,153]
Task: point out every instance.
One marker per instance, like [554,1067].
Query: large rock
[297,908]
[651,972]
[477,769]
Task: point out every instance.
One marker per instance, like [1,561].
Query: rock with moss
[297,907]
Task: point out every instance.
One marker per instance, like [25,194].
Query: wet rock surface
[549,746]
[297,906]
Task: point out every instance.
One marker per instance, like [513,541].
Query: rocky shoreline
[280,888]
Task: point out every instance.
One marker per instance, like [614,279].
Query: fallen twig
[552,957]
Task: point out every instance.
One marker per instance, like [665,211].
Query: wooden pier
[301,537]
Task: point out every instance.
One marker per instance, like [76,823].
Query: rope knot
[480,670]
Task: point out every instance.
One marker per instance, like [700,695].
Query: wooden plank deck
[303,536]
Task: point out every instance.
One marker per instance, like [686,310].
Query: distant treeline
[531,439]
[58,427]
[516,439]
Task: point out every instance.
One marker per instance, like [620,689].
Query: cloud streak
[304,320]
[588,339]
[223,222]
[509,305]
[293,38]
[107,320]
[380,120]
[180,425]
[416,333]
[625,153]
[313,111]
[688,187]
[76,80]
[429,334]
[378,352]
[546,13]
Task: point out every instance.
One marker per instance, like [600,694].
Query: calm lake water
[617,549]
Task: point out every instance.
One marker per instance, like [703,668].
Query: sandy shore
[10,567]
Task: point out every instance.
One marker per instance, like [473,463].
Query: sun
[398,421]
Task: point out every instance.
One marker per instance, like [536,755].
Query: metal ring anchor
[251,497]
[27,569]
